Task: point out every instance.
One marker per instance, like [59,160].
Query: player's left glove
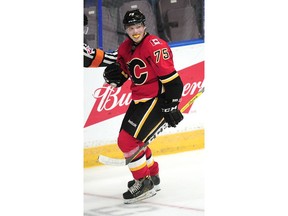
[171,113]
[114,75]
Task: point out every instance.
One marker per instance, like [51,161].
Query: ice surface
[182,188]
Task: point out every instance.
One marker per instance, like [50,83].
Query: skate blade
[157,188]
[146,195]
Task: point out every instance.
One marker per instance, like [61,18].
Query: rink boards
[163,145]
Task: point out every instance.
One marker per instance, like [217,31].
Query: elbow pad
[173,86]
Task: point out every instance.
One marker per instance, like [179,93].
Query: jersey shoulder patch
[155,41]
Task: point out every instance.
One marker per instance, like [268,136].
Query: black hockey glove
[171,113]
[114,75]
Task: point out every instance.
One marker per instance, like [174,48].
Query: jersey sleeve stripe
[170,78]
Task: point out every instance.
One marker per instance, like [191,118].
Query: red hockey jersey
[145,63]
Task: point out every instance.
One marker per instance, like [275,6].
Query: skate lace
[135,187]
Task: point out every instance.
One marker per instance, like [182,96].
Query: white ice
[182,188]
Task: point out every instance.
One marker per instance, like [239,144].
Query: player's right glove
[171,113]
[114,75]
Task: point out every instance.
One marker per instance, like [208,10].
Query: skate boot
[141,189]
[155,179]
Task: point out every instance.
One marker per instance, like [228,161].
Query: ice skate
[141,189]
[155,179]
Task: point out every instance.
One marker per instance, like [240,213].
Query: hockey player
[96,57]
[156,92]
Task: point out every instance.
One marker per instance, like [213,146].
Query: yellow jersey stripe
[169,78]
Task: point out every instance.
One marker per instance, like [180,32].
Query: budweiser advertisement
[111,102]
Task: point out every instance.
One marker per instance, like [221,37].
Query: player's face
[136,32]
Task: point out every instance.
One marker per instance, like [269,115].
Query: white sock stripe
[138,163]
[150,161]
